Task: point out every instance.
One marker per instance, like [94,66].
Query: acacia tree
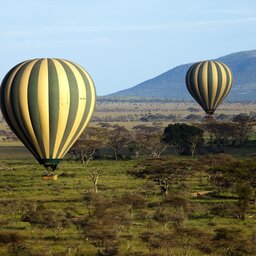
[84,149]
[244,125]
[185,138]
[195,140]
[220,132]
[90,140]
[147,140]
[167,174]
[118,137]
[94,176]
[235,132]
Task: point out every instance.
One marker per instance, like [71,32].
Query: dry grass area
[180,109]
[129,114]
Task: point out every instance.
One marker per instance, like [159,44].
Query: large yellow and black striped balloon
[47,103]
[209,82]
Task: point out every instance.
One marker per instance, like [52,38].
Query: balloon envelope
[209,82]
[47,103]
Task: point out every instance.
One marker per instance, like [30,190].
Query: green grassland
[23,188]
[24,185]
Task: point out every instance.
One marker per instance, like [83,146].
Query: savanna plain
[130,186]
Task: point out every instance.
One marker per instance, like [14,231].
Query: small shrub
[217,160]
[177,201]
[15,243]
[43,218]
[134,200]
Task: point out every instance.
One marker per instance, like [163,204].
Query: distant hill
[171,84]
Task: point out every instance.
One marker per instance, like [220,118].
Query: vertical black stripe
[210,84]
[191,80]
[3,92]
[192,76]
[14,99]
[219,86]
[2,97]
[74,100]
[187,78]
[188,81]
[53,103]
[33,104]
[201,85]
[3,102]
[88,105]
[227,82]
[4,110]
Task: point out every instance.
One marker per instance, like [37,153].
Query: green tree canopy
[185,138]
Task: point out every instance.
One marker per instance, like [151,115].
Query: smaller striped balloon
[47,103]
[209,82]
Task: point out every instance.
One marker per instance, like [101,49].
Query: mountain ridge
[171,84]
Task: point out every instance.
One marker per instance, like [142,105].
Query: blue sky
[124,42]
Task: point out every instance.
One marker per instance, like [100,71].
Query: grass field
[23,188]
[24,185]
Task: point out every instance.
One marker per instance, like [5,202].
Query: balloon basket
[208,117]
[50,177]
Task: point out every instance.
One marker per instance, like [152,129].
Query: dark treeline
[102,99]
[208,136]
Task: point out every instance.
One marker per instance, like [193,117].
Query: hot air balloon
[209,82]
[47,103]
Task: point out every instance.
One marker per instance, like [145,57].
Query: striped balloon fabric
[209,82]
[47,103]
